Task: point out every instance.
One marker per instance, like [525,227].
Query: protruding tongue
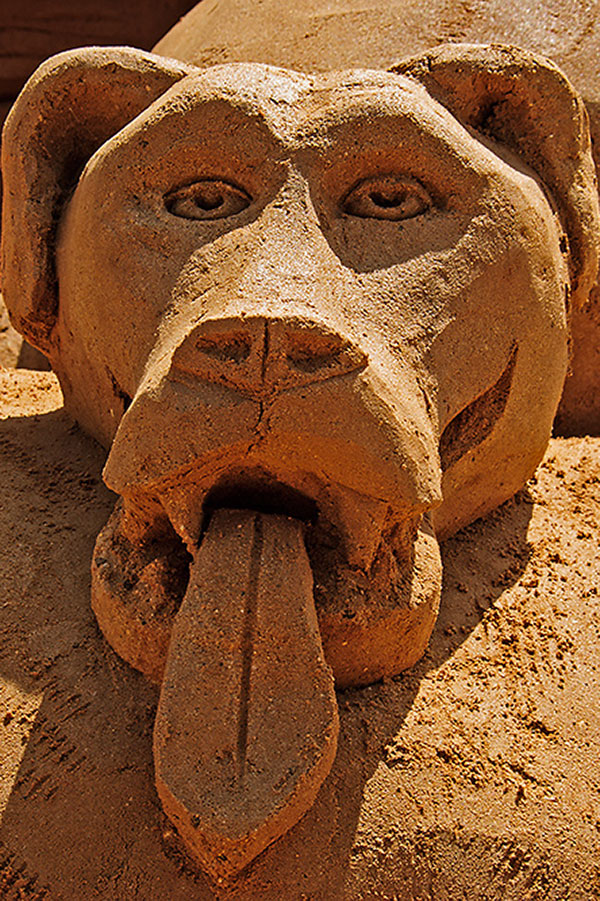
[247,722]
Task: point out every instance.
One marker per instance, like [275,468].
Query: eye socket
[209,198]
[387,197]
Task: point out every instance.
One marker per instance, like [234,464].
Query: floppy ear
[69,107]
[526,103]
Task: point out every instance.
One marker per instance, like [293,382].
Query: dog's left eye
[387,197]
[209,198]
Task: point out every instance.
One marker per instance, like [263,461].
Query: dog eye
[207,199]
[387,197]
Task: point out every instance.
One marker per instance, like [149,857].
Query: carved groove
[475,422]
[250,618]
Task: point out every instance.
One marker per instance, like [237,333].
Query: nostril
[308,352]
[230,348]
[226,352]
[313,363]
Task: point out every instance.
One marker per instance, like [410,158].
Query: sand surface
[473,776]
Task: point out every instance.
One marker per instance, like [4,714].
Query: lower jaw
[374,620]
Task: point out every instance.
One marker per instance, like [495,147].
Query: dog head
[341,298]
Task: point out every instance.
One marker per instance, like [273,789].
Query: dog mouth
[249,606]
[356,546]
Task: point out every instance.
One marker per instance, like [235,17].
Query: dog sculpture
[320,322]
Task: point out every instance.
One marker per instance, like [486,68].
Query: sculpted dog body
[326,297]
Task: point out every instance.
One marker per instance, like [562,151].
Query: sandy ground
[473,776]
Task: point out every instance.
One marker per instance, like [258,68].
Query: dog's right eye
[209,198]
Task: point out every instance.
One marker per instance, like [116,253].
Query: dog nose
[261,356]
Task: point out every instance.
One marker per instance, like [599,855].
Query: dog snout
[263,355]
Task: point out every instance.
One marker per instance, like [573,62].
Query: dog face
[319,297]
[307,286]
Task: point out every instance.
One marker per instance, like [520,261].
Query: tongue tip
[224,846]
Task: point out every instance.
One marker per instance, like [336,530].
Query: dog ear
[69,107]
[526,103]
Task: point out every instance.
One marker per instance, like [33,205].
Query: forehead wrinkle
[271,95]
[365,96]
[366,100]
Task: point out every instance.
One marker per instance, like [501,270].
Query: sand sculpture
[320,321]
